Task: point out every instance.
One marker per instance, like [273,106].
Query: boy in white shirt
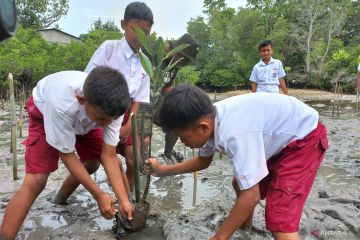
[122,55]
[276,144]
[72,111]
[268,74]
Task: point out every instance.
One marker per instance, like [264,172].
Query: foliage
[39,14]
[153,62]
[314,39]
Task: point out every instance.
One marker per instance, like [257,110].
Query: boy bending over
[72,111]
[275,143]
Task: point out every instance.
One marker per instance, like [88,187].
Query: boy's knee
[35,182]
[286,236]
[92,166]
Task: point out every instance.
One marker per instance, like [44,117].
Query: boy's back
[252,128]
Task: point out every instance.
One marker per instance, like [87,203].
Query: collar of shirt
[126,48]
[271,61]
[82,113]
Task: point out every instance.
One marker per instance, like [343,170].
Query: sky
[170,16]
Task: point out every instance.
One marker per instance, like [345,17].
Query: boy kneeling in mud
[71,111]
[276,144]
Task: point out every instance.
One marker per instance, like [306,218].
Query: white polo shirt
[118,54]
[267,75]
[64,116]
[252,128]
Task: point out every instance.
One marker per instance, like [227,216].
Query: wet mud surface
[332,210]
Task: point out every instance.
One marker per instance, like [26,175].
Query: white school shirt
[252,128]
[267,75]
[118,54]
[64,117]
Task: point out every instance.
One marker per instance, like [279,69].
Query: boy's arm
[242,209]
[110,163]
[77,169]
[253,79]
[283,86]
[253,87]
[191,165]
[126,129]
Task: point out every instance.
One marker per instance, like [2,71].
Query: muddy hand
[126,209]
[153,167]
[106,205]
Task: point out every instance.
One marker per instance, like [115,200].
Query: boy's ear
[204,126]
[122,24]
[81,99]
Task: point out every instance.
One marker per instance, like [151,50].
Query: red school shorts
[129,140]
[41,158]
[291,176]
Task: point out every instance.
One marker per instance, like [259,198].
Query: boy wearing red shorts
[72,111]
[275,143]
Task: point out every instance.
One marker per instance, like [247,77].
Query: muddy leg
[71,183]
[286,236]
[248,222]
[145,147]
[20,204]
[130,173]
[170,140]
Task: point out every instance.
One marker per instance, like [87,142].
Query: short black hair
[183,106]
[138,10]
[107,89]
[265,43]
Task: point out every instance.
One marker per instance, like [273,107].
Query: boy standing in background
[268,74]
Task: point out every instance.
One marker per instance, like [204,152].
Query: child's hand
[126,209]
[124,133]
[153,167]
[106,205]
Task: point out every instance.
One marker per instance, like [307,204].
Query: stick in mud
[13,125]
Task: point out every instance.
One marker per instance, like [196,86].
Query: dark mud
[331,212]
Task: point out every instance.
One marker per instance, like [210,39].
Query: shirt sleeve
[111,133]
[143,94]
[281,70]
[247,154]
[359,68]
[59,129]
[98,59]
[253,76]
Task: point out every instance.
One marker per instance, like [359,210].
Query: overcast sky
[170,16]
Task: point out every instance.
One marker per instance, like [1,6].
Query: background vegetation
[316,40]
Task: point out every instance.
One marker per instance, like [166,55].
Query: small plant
[154,62]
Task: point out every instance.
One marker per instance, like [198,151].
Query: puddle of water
[328,108]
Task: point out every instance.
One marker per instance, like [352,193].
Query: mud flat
[331,212]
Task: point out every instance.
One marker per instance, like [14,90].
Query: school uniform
[58,123]
[267,75]
[275,141]
[118,54]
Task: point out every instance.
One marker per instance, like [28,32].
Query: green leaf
[145,62]
[176,50]
[168,68]
[144,40]
[160,50]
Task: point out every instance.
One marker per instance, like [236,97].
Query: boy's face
[130,35]
[194,137]
[97,116]
[266,53]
